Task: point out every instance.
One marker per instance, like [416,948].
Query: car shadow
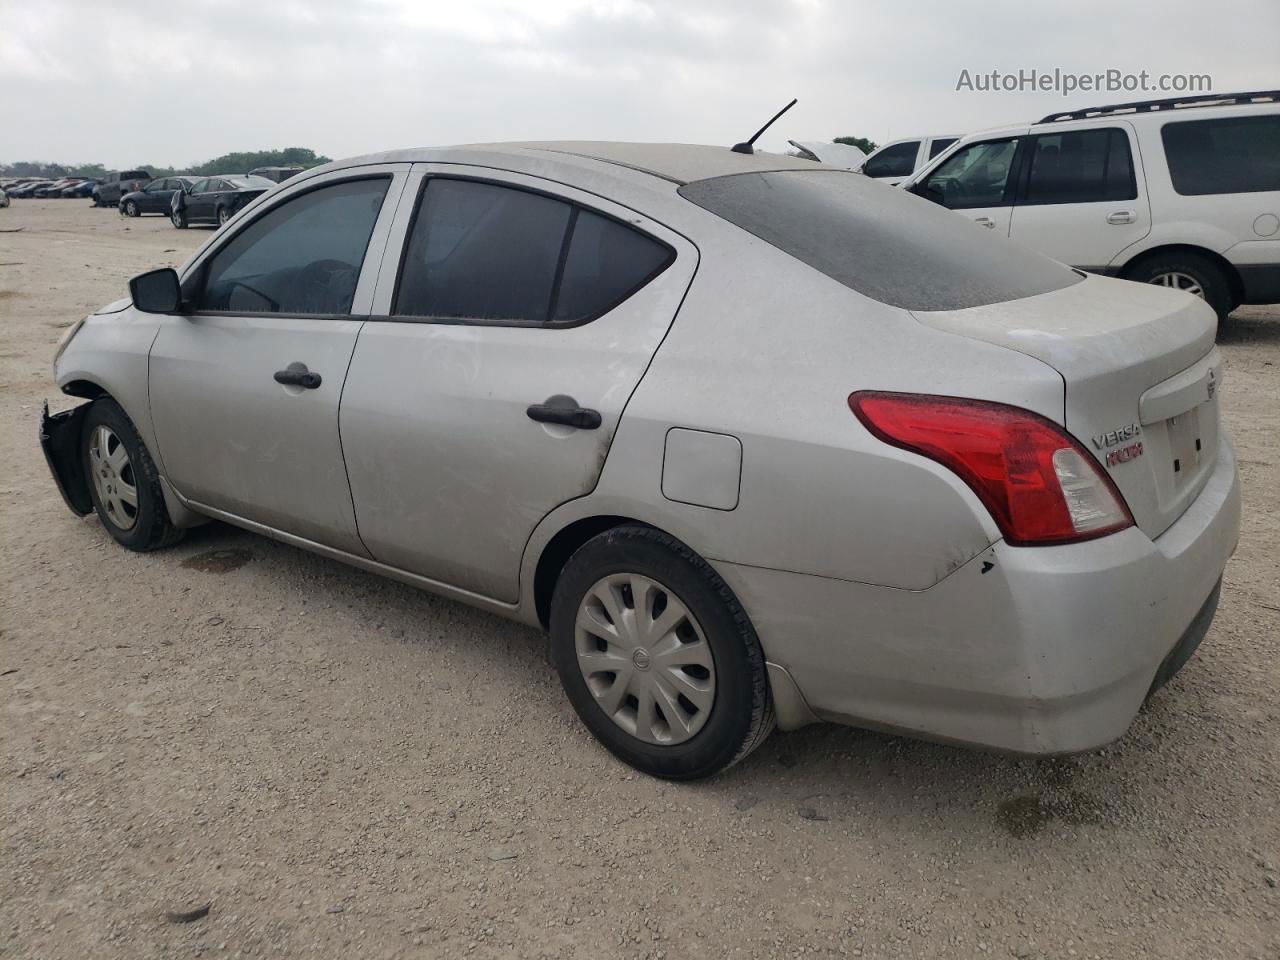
[1251,325]
[820,777]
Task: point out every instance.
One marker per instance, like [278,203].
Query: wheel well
[557,553]
[84,388]
[1222,263]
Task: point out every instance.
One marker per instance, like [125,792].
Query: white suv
[896,160]
[1184,193]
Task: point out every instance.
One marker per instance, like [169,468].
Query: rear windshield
[135,175]
[882,242]
[250,183]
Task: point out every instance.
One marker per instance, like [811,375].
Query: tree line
[238,162]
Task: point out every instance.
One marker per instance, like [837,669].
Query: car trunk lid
[1141,379]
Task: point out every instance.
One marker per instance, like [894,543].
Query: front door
[1082,197]
[523,318]
[977,182]
[245,387]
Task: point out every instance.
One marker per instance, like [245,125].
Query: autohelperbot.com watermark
[1066,82]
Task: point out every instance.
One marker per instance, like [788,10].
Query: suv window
[1080,166]
[940,144]
[483,252]
[879,242]
[135,175]
[974,176]
[301,256]
[895,161]
[1223,155]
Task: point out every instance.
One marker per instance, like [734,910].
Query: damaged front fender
[60,440]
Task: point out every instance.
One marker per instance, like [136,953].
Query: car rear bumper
[1043,650]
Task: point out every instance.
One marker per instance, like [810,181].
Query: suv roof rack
[1171,103]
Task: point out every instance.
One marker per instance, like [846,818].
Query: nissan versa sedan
[756,440]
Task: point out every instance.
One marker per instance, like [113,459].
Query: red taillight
[1040,485]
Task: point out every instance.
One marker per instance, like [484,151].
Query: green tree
[862,143]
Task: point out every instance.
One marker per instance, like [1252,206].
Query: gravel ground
[337,765]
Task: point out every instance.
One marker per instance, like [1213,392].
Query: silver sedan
[759,442]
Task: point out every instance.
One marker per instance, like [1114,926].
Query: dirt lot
[342,766]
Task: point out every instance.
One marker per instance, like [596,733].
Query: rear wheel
[179,218]
[1191,273]
[657,657]
[123,482]
[224,214]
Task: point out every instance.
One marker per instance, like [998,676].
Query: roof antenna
[747,147]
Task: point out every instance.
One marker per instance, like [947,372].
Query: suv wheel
[1189,272]
[123,482]
[657,657]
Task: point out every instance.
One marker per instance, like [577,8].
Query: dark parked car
[84,188]
[116,185]
[53,189]
[275,174]
[29,189]
[216,199]
[155,197]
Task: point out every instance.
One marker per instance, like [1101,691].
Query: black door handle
[298,378]
[564,410]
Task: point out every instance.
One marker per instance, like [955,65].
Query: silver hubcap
[645,659]
[113,477]
[1179,281]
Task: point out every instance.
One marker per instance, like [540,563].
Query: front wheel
[657,657]
[131,208]
[123,482]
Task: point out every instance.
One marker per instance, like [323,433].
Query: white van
[1181,192]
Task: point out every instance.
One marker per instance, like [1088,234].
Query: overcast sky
[180,81]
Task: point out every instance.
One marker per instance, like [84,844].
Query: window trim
[1024,173]
[200,274]
[548,324]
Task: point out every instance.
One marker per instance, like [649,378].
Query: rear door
[244,389]
[977,181]
[1082,196]
[521,302]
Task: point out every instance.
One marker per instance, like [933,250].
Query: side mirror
[157,291]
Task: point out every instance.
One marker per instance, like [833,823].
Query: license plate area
[1186,447]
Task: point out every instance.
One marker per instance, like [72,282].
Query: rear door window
[893,161]
[302,256]
[1080,166]
[486,253]
[940,144]
[1223,155]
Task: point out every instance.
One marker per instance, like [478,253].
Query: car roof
[679,163]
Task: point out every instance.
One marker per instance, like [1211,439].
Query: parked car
[116,185]
[985,497]
[215,199]
[895,161]
[4,199]
[84,188]
[276,174]
[155,197]
[54,189]
[1180,192]
[29,188]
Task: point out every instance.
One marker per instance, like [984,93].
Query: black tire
[224,214]
[1206,273]
[742,714]
[131,209]
[151,528]
[178,218]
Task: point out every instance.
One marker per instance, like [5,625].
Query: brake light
[1040,485]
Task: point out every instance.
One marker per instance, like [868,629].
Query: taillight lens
[1040,485]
